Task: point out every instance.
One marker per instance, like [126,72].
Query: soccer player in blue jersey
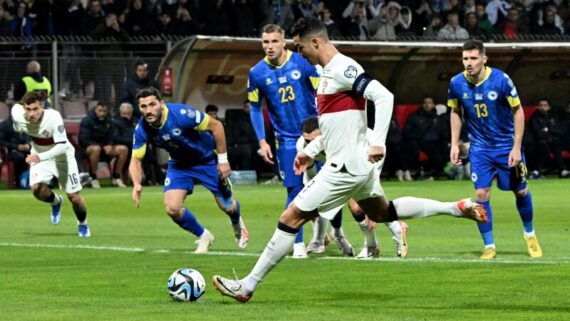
[288,83]
[491,108]
[190,137]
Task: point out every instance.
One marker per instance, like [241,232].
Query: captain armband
[361,82]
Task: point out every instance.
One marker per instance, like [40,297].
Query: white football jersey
[45,134]
[342,117]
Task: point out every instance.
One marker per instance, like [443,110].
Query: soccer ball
[186,285]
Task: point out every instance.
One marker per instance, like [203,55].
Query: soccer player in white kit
[349,171]
[52,156]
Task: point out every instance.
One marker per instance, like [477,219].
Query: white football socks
[369,237]
[396,228]
[277,248]
[319,230]
[414,207]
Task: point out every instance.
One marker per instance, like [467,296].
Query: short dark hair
[140,63]
[309,26]
[310,125]
[31,97]
[474,44]
[149,91]
[211,107]
[543,99]
[246,101]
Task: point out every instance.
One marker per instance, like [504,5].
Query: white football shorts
[329,191]
[64,168]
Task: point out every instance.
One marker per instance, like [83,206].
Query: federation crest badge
[350,72]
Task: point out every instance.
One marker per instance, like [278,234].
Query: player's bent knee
[173,210]
[521,193]
[483,195]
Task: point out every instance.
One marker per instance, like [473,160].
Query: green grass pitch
[48,273]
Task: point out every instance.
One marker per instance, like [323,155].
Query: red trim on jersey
[43,141]
[346,100]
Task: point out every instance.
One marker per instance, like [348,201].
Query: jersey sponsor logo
[60,129]
[296,74]
[478,96]
[350,72]
[282,79]
[492,95]
[176,132]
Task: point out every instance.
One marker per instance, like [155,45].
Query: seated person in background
[18,146]
[212,111]
[96,141]
[563,130]
[242,142]
[542,124]
[422,133]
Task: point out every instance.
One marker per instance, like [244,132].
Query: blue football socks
[189,222]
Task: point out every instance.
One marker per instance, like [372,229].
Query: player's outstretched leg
[413,207]
[277,248]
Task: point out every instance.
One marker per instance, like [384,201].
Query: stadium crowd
[349,19]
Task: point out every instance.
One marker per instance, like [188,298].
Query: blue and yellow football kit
[191,148]
[289,91]
[488,115]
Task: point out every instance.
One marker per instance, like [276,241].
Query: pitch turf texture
[48,273]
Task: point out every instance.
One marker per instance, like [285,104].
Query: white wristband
[222,158]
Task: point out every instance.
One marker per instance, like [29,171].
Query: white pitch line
[562,261]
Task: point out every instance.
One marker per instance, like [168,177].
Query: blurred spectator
[212,111]
[472,26]
[33,80]
[138,22]
[241,138]
[484,24]
[109,69]
[389,22]
[166,26]
[496,9]
[512,27]
[244,18]
[433,28]
[396,162]
[41,12]
[117,7]
[332,28]
[67,15]
[358,26]
[422,133]
[124,126]
[307,8]
[137,80]
[219,19]
[93,17]
[4,22]
[469,6]
[21,25]
[18,146]
[96,141]
[452,30]
[542,125]
[154,9]
[548,26]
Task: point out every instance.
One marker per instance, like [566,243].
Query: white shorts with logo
[329,191]
[64,168]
